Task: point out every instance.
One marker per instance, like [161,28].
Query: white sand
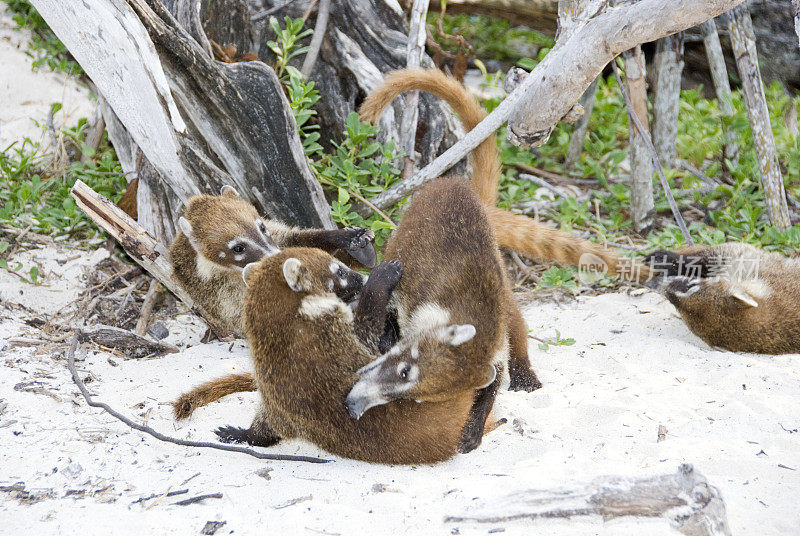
[26,96]
[634,366]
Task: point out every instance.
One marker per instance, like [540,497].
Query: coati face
[226,230]
[395,374]
[313,272]
[713,296]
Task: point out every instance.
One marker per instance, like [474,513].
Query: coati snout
[395,374]
[226,230]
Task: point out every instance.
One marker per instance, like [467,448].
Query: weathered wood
[796,6]
[642,200]
[415,50]
[94,133]
[743,41]
[128,343]
[321,27]
[557,82]
[581,126]
[668,66]
[722,85]
[137,243]
[201,124]
[685,498]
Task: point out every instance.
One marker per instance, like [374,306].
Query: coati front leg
[369,319]
[472,434]
[260,434]
[523,378]
[357,242]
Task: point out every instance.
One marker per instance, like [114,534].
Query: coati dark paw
[388,274]
[682,286]
[360,246]
[471,438]
[523,379]
[232,434]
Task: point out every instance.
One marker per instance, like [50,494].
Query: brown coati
[220,235]
[514,231]
[306,353]
[450,278]
[733,296]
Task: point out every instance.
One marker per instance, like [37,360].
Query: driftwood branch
[668,66]
[147,308]
[722,85]
[131,344]
[137,243]
[744,48]
[555,84]
[417,36]
[642,201]
[796,6]
[693,507]
[323,13]
[161,437]
[581,126]
[664,184]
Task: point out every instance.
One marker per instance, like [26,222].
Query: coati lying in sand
[220,235]
[733,296]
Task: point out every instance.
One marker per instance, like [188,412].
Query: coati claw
[523,380]
[360,246]
[232,434]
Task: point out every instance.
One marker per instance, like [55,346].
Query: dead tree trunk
[722,85]
[743,41]
[200,124]
[685,498]
[642,201]
[417,35]
[668,65]
[581,126]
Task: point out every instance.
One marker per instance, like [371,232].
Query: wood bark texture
[743,41]
[722,85]
[668,66]
[642,200]
[200,124]
[581,126]
[692,506]
[415,50]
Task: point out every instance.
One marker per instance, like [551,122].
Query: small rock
[158,331]
[264,473]
[211,527]
[378,488]
[518,425]
[72,470]
[662,433]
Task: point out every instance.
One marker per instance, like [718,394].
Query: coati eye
[238,248]
[404,372]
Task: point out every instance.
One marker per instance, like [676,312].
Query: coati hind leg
[473,431]
[523,378]
[260,434]
[369,319]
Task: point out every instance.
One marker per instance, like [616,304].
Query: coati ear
[742,295]
[246,271]
[228,191]
[186,228]
[296,274]
[457,335]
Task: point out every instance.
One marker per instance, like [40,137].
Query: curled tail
[211,391]
[514,231]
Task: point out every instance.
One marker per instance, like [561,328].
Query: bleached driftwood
[796,5]
[642,200]
[200,124]
[130,344]
[555,84]
[722,85]
[415,49]
[310,60]
[685,498]
[668,66]
[744,47]
[137,243]
[581,126]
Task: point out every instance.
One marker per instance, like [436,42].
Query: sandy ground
[26,95]
[633,367]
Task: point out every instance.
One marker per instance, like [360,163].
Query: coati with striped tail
[470,291]
[733,296]
[306,352]
[514,231]
[220,235]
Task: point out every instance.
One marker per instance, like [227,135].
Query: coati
[220,235]
[306,352]
[470,290]
[733,296]
[514,231]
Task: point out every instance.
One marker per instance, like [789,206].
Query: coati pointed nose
[363,396]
